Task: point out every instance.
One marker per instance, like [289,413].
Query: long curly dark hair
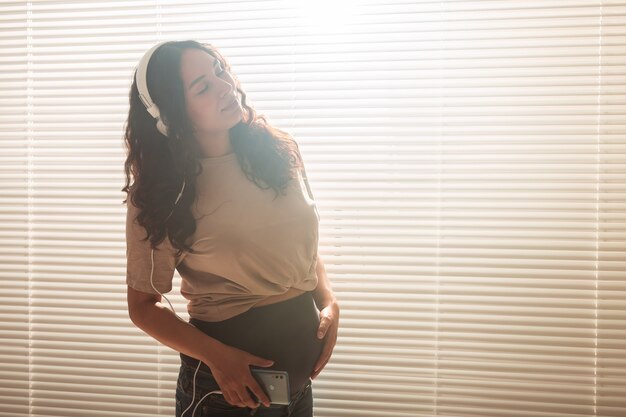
[158,163]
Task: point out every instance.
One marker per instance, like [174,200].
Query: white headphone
[142,86]
[144,95]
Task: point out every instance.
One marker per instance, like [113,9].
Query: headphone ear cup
[161,127]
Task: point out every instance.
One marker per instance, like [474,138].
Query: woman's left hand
[329,323]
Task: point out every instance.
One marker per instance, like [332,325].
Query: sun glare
[325,16]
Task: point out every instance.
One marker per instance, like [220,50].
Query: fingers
[328,323]
[232,398]
[244,399]
[249,397]
[259,395]
[318,369]
[238,400]
[321,331]
[320,364]
[259,361]
[327,350]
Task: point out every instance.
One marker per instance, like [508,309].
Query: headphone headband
[142,87]
[144,95]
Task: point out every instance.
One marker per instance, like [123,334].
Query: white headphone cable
[179,318]
[199,362]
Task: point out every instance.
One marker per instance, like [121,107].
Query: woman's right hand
[231,370]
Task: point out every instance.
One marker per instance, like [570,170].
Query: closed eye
[206,86]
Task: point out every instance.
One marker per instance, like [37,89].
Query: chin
[236,115]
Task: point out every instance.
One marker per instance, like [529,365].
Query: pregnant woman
[222,197]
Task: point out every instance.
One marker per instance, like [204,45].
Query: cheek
[194,111]
[203,108]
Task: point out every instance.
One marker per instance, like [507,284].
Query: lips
[231,102]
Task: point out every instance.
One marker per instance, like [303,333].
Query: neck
[213,145]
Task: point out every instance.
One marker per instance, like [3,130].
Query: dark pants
[214,405]
[284,332]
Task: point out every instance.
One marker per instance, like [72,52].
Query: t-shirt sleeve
[138,263]
[305,180]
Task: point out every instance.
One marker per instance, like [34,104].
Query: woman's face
[209,89]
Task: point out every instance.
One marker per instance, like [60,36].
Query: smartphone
[275,384]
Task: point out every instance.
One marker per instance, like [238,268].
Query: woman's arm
[162,324]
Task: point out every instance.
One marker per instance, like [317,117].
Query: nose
[229,89]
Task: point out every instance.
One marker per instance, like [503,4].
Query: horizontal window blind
[14,211]
[468,159]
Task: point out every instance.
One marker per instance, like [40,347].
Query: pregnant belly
[284,332]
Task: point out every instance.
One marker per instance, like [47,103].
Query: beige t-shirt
[249,245]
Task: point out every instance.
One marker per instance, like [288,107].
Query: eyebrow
[215,63]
